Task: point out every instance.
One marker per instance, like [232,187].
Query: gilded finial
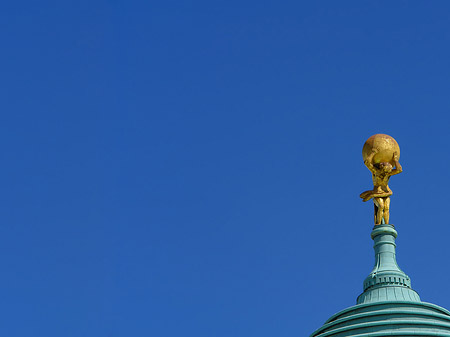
[381,154]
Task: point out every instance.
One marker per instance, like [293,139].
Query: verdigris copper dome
[388,306]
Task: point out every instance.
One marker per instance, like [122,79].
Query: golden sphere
[386,146]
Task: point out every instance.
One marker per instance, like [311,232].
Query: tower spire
[386,281]
[388,305]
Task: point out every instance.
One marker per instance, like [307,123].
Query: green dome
[388,306]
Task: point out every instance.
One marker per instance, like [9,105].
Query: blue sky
[186,168]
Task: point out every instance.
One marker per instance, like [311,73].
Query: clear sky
[192,168]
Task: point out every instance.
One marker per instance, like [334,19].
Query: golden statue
[381,154]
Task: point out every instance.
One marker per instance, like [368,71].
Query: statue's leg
[379,202]
[375,211]
[387,203]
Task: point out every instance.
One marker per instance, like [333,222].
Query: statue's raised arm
[368,160]
[398,168]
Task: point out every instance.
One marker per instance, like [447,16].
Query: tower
[388,305]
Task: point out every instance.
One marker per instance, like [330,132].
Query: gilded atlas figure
[381,154]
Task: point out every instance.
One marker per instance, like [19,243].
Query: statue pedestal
[386,282]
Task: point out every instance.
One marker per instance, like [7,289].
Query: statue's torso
[380,182]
